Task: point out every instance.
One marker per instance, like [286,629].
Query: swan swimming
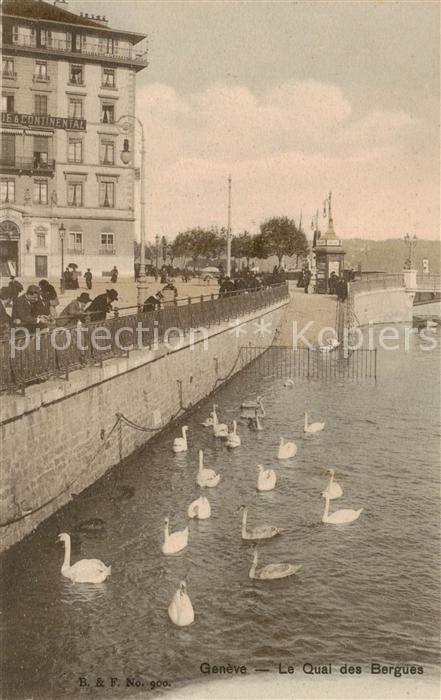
[266,479]
[219,429]
[199,508]
[233,439]
[312,427]
[286,449]
[260,532]
[206,477]
[289,382]
[339,517]
[333,490]
[174,542]
[208,423]
[180,610]
[332,344]
[180,443]
[85,570]
[272,571]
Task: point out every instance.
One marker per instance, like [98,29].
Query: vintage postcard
[220,329]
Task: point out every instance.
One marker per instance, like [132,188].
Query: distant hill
[389,255]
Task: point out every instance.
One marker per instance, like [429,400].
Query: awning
[5,130]
[36,132]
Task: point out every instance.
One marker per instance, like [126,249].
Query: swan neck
[326,513]
[244,520]
[166,533]
[201,460]
[306,420]
[66,562]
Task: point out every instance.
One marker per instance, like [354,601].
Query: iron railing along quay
[57,351]
[377,281]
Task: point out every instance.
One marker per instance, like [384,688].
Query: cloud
[285,148]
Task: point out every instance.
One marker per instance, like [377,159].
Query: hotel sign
[45,120]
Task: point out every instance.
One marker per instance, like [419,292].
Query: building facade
[68,81]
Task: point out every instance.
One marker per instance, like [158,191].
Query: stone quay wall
[63,435]
[383,305]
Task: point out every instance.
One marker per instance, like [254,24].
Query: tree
[242,246]
[198,243]
[280,236]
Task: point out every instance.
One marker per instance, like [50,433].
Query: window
[46,37]
[75,194]
[76,241]
[40,192]
[107,113]
[76,75]
[7,103]
[40,104]
[41,151]
[40,234]
[23,36]
[7,190]
[107,153]
[40,70]
[107,193]
[108,77]
[8,67]
[75,109]
[107,244]
[7,149]
[75,151]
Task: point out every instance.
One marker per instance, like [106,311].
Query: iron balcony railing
[27,165]
[58,350]
[136,55]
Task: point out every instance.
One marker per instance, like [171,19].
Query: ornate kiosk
[329,254]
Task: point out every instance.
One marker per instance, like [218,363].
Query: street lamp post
[62,234]
[157,254]
[411,242]
[123,123]
[229,229]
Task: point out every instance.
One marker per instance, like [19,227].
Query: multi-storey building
[67,82]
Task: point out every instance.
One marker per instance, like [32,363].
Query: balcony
[118,54]
[26,165]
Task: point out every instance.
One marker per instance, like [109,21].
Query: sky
[294,99]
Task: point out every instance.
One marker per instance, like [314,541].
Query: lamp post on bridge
[124,126]
[411,242]
[62,234]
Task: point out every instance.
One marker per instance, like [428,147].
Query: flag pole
[229,229]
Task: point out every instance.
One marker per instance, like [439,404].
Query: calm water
[367,592]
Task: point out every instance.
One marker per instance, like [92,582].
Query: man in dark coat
[15,288]
[332,282]
[25,310]
[102,305]
[152,303]
[114,275]
[49,298]
[88,278]
[5,319]
[74,311]
[306,279]
[226,287]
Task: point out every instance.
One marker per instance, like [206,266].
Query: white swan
[180,443]
[332,344]
[180,610]
[286,449]
[199,508]
[174,542]
[260,408]
[333,490]
[250,405]
[272,570]
[209,421]
[85,570]
[266,479]
[312,427]
[261,532]
[233,439]
[206,477]
[219,429]
[289,382]
[347,515]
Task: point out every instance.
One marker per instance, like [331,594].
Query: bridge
[392,298]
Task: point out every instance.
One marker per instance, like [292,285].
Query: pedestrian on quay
[332,282]
[102,305]
[5,319]
[306,279]
[114,275]
[15,288]
[67,278]
[25,310]
[74,277]
[342,290]
[75,310]
[88,278]
[152,303]
[49,298]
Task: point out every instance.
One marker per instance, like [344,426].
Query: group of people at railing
[36,308]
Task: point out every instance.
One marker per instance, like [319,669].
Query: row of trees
[278,236]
